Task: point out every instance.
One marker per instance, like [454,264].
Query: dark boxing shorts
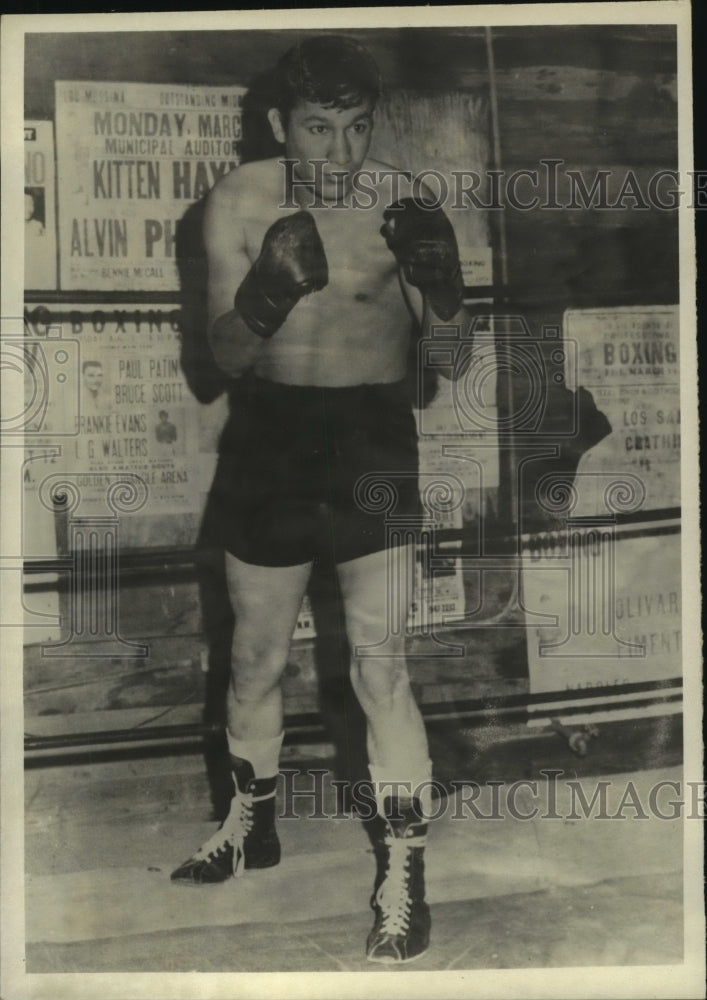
[285,490]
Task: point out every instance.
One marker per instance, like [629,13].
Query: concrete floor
[505,893]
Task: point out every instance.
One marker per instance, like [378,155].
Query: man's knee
[375,628]
[380,680]
[256,667]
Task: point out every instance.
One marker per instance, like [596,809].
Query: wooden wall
[596,99]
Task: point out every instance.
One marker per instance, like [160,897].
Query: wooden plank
[634,265]
[589,132]
[633,48]
[557,81]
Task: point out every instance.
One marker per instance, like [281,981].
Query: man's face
[93,377]
[341,136]
[29,207]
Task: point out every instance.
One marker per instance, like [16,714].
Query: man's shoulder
[382,174]
[250,181]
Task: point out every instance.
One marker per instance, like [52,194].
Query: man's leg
[265,602]
[377,590]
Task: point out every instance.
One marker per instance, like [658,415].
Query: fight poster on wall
[628,358]
[131,158]
[39,206]
[123,405]
[603,616]
[440,138]
[458,444]
[438,594]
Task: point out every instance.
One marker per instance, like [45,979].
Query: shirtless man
[311,303]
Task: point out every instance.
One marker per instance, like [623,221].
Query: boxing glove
[564,411]
[425,247]
[292,263]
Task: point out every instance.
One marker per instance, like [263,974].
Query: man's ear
[276,124]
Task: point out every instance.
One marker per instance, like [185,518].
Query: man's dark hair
[91,364]
[332,70]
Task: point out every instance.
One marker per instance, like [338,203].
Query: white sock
[416,783]
[263,755]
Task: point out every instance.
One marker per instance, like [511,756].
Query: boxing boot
[401,929]
[246,839]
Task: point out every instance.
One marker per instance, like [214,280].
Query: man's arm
[234,345]
[455,344]
[425,247]
[291,264]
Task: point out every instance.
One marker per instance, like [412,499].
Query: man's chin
[325,190]
[333,189]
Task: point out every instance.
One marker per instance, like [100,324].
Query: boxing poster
[39,206]
[131,159]
[626,631]
[438,593]
[117,404]
[442,138]
[458,441]
[629,360]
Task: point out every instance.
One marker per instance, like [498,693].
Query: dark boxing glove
[425,246]
[563,409]
[292,263]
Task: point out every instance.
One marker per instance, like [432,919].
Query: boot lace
[234,831]
[393,896]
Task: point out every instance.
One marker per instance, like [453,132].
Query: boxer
[310,299]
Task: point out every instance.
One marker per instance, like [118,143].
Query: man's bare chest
[361,267]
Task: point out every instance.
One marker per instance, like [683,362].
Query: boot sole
[396,961]
[192,882]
